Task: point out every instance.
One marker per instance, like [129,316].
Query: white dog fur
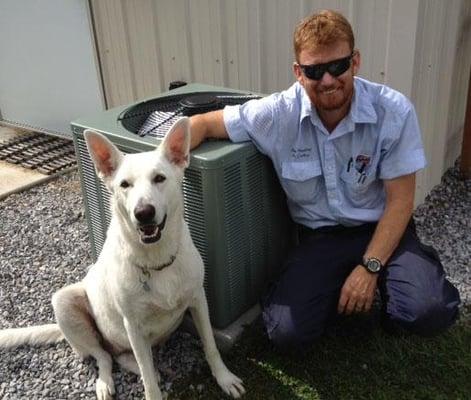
[148,273]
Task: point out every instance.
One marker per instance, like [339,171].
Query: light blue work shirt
[333,178]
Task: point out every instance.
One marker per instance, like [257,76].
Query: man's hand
[358,291]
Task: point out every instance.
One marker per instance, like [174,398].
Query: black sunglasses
[334,68]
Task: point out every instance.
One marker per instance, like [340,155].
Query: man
[346,151]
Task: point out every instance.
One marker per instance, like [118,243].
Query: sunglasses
[334,68]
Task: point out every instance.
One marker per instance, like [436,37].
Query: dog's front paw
[231,384]
[104,390]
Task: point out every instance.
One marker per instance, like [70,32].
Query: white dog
[148,273]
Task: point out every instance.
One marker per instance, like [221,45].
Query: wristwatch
[372,265]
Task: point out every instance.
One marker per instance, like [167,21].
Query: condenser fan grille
[155,117]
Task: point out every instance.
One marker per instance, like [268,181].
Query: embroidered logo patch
[361,162]
[298,153]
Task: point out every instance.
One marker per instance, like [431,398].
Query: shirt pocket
[361,190]
[301,180]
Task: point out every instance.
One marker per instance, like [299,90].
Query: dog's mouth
[151,233]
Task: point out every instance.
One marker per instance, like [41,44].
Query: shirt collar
[307,111]
[361,110]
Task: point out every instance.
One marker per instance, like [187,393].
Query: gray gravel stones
[44,246]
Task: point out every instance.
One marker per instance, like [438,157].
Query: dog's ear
[176,145]
[105,155]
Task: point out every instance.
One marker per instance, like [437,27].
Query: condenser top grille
[154,117]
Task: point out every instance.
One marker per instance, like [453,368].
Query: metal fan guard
[154,117]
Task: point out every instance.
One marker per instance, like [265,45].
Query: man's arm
[396,216]
[208,125]
[358,290]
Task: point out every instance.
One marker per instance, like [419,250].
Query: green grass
[355,360]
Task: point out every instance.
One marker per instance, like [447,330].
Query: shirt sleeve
[403,152]
[252,121]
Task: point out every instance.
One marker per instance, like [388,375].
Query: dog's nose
[144,213]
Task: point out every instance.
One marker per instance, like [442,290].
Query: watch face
[373,265]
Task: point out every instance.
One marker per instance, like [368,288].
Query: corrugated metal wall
[440,83]
[420,47]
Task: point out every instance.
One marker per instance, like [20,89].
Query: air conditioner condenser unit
[233,203]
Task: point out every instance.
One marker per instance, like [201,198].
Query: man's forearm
[388,233]
[198,130]
[396,216]
[208,125]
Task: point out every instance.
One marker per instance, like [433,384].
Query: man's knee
[287,332]
[427,317]
[418,296]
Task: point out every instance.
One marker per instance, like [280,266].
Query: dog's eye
[124,184]
[158,178]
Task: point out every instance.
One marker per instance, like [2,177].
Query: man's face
[329,93]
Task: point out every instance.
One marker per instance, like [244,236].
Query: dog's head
[145,187]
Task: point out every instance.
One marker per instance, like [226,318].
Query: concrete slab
[227,337]
[14,179]
[7,132]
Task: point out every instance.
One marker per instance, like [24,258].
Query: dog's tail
[34,335]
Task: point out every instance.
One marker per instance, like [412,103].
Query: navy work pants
[415,294]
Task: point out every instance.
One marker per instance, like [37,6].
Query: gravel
[444,222]
[44,246]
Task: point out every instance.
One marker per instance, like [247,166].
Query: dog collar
[147,270]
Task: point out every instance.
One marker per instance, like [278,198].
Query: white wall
[48,74]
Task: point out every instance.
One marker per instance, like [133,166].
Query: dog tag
[144,280]
[146,286]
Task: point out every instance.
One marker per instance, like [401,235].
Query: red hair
[322,29]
